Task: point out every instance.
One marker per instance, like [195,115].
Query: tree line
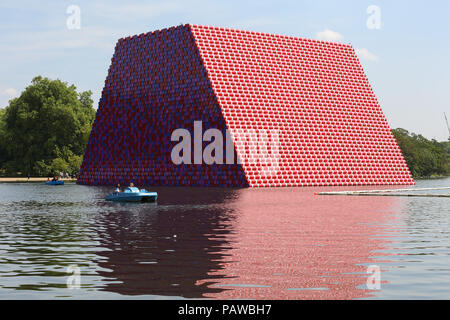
[45,130]
[425,158]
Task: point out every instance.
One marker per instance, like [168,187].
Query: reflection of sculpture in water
[290,244]
[164,249]
[248,243]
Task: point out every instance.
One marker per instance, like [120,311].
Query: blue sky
[406,60]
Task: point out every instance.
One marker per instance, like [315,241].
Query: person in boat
[54,179]
[117,190]
[133,186]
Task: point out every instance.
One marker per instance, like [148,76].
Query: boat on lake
[132,194]
[55,182]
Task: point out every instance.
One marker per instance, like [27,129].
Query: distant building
[205,106]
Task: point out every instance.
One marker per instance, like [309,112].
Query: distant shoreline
[31,179]
[431,177]
[43,179]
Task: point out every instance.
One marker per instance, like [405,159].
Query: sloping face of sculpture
[206,106]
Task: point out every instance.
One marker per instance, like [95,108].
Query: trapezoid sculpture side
[156,84]
[299,112]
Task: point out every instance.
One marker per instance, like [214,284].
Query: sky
[403,45]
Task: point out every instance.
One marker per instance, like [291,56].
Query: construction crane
[447,126]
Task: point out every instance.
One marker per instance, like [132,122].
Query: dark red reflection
[283,243]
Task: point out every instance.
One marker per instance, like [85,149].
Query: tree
[59,165]
[3,145]
[75,164]
[50,120]
[42,169]
[424,157]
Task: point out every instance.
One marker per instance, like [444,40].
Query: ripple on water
[222,243]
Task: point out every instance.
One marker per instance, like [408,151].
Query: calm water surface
[284,243]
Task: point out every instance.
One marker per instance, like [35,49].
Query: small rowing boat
[55,182]
[133,194]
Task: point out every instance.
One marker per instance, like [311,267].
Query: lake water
[285,243]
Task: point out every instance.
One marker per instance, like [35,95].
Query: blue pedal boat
[133,194]
[55,183]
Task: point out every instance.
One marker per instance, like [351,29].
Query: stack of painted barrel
[330,129]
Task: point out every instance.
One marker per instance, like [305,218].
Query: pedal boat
[132,194]
[55,183]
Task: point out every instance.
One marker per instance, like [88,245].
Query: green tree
[424,157]
[42,169]
[74,164]
[3,145]
[50,120]
[59,165]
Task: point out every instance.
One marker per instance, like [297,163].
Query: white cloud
[363,53]
[10,92]
[329,35]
